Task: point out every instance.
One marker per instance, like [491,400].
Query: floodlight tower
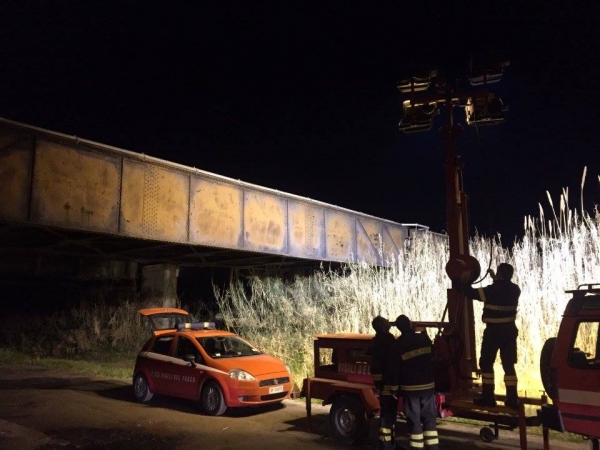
[481,108]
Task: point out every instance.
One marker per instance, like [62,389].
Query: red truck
[570,368]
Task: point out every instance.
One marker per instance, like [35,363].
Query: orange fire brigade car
[194,360]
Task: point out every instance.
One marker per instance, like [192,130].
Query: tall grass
[94,326]
[282,315]
[100,324]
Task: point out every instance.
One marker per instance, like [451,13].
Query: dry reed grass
[281,315]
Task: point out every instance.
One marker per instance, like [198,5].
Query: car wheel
[348,420]
[141,390]
[548,380]
[212,400]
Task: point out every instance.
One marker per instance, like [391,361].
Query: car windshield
[227,347]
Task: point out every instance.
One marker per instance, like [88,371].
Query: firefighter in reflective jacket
[412,355]
[379,350]
[500,301]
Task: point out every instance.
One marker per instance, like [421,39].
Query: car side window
[162,345]
[187,347]
[585,352]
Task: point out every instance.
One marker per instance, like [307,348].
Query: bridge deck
[62,193]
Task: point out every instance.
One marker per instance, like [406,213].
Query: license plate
[275,389]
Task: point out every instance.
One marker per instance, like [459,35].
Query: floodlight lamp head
[417,83]
[417,116]
[484,109]
[488,74]
[414,128]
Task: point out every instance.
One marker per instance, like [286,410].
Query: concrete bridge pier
[159,284]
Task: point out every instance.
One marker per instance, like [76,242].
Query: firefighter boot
[511,391]
[487,397]
[511,397]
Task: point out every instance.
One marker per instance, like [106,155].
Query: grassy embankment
[120,368]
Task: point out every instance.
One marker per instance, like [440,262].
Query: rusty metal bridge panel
[61,182]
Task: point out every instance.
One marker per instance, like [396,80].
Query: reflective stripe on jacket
[412,354]
[500,301]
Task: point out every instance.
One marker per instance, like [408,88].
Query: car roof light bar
[196,326]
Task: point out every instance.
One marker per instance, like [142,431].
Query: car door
[188,375]
[579,379]
[159,363]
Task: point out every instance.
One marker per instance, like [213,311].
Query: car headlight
[288,368]
[240,374]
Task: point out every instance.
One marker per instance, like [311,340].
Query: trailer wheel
[348,420]
[487,434]
[548,380]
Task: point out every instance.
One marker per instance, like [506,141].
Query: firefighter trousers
[387,421]
[502,338]
[421,415]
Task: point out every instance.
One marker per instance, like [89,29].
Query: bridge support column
[159,283]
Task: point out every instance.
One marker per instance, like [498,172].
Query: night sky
[301,96]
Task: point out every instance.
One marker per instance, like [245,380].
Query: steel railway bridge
[66,197]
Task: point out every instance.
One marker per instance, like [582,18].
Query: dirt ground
[44,408]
